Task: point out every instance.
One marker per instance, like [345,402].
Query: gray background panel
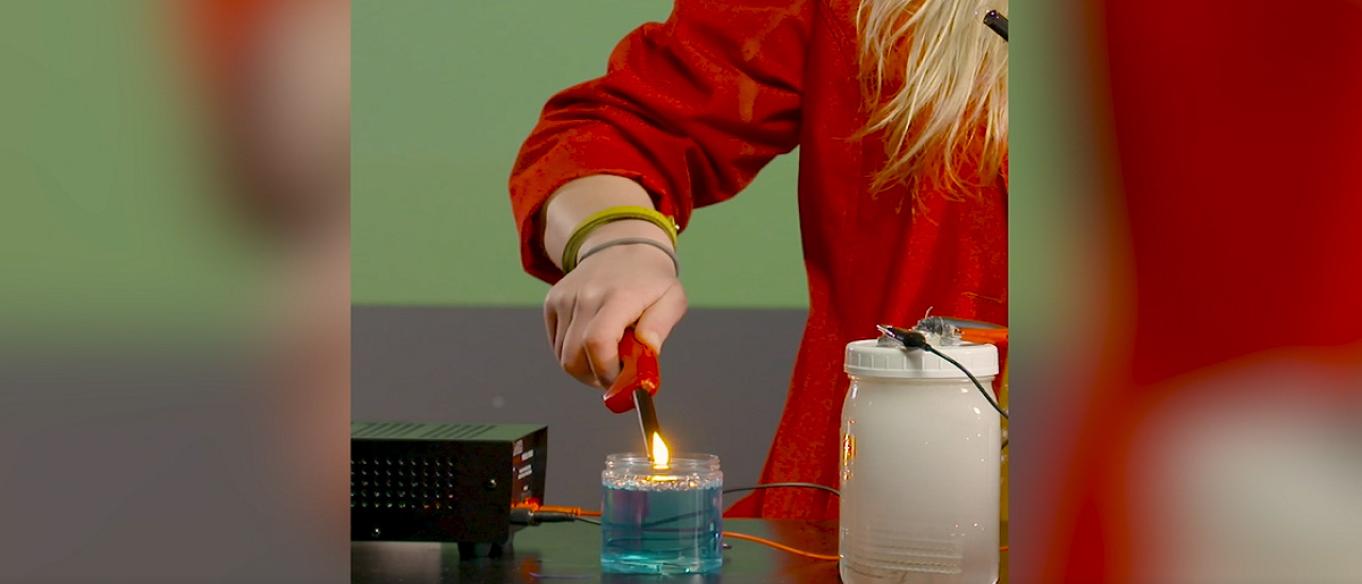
[725,374]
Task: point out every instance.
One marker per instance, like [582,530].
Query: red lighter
[638,370]
[638,381]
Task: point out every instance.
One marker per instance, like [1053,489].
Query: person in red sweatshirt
[899,108]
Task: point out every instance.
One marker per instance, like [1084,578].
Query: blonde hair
[935,83]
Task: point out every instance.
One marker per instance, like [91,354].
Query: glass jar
[661,520]
[920,467]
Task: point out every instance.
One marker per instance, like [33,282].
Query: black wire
[793,485]
[912,339]
[982,391]
[784,485]
[673,519]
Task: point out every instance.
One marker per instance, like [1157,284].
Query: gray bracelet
[633,241]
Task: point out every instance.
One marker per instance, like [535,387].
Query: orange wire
[574,511]
[780,546]
[578,511]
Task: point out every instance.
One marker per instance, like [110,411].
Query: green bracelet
[579,235]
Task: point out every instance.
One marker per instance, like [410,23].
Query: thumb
[657,320]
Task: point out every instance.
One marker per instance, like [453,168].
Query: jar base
[645,564]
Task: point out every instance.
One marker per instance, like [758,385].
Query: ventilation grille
[411,430]
[456,431]
[413,483]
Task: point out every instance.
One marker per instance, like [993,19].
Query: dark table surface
[570,553]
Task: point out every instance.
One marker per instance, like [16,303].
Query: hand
[588,310]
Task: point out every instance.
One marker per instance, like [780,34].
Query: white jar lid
[868,359]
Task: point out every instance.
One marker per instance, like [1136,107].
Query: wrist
[577,200]
[572,249]
[633,249]
[623,229]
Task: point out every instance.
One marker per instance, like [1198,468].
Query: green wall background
[444,93]
[109,209]
[111,216]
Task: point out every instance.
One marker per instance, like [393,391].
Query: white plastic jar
[920,467]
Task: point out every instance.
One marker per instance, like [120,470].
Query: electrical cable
[557,514]
[984,392]
[911,339]
[529,516]
[567,509]
[780,546]
[784,485]
[535,514]
[775,544]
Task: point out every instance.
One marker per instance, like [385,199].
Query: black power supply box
[443,482]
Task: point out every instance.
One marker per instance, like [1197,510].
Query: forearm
[571,204]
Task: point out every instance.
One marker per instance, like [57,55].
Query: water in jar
[661,527]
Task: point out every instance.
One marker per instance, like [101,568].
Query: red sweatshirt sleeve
[691,109]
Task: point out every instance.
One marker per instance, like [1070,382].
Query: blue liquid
[662,531]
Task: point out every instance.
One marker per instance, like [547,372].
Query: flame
[660,455]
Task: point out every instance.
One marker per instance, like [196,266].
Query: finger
[551,321]
[657,321]
[604,334]
[563,321]
[572,357]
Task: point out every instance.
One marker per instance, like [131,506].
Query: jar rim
[679,462]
